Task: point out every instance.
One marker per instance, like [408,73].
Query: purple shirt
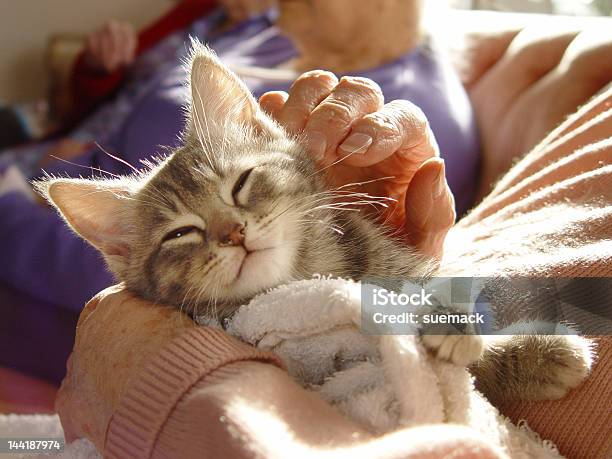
[44,264]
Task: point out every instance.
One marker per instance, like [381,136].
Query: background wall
[25,26]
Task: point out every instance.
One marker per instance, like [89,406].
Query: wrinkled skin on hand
[356,138]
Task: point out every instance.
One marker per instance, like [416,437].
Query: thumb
[430,208]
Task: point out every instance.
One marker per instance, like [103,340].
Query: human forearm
[131,356]
[271,416]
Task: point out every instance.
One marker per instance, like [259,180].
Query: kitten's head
[219,220]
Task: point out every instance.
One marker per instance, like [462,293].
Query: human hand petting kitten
[350,130]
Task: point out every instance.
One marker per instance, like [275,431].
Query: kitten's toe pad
[565,367]
[461,350]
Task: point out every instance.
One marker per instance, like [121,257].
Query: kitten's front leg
[532,367]
[456,343]
[461,350]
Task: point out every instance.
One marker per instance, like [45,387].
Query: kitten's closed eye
[180,232]
[239,185]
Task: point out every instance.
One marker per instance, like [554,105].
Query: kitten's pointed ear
[97,211]
[219,97]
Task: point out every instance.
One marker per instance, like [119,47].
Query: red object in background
[91,87]
[25,395]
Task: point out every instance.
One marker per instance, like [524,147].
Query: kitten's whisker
[366,182]
[348,205]
[332,195]
[301,207]
[364,195]
[122,161]
[333,227]
[347,209]
[97,169]
[185,298]
[332,164]
[362,202]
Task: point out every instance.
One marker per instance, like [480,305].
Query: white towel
[382,382]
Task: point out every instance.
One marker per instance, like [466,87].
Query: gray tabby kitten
[240,208]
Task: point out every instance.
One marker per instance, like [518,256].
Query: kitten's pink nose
[232,235]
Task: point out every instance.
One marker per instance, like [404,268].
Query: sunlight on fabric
[264,426]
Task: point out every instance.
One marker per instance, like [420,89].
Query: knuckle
[365,87]
[317,79]
[405,113]
[381,123]
[293,114]
[333,114]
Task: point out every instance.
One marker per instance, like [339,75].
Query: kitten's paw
[565,365]
[461,350]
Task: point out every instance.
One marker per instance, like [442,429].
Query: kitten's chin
[261,270]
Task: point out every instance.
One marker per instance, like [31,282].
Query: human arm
[90,85]
[220,397]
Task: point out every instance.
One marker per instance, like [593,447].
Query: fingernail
[440,183]
[356,144]
[317,144]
